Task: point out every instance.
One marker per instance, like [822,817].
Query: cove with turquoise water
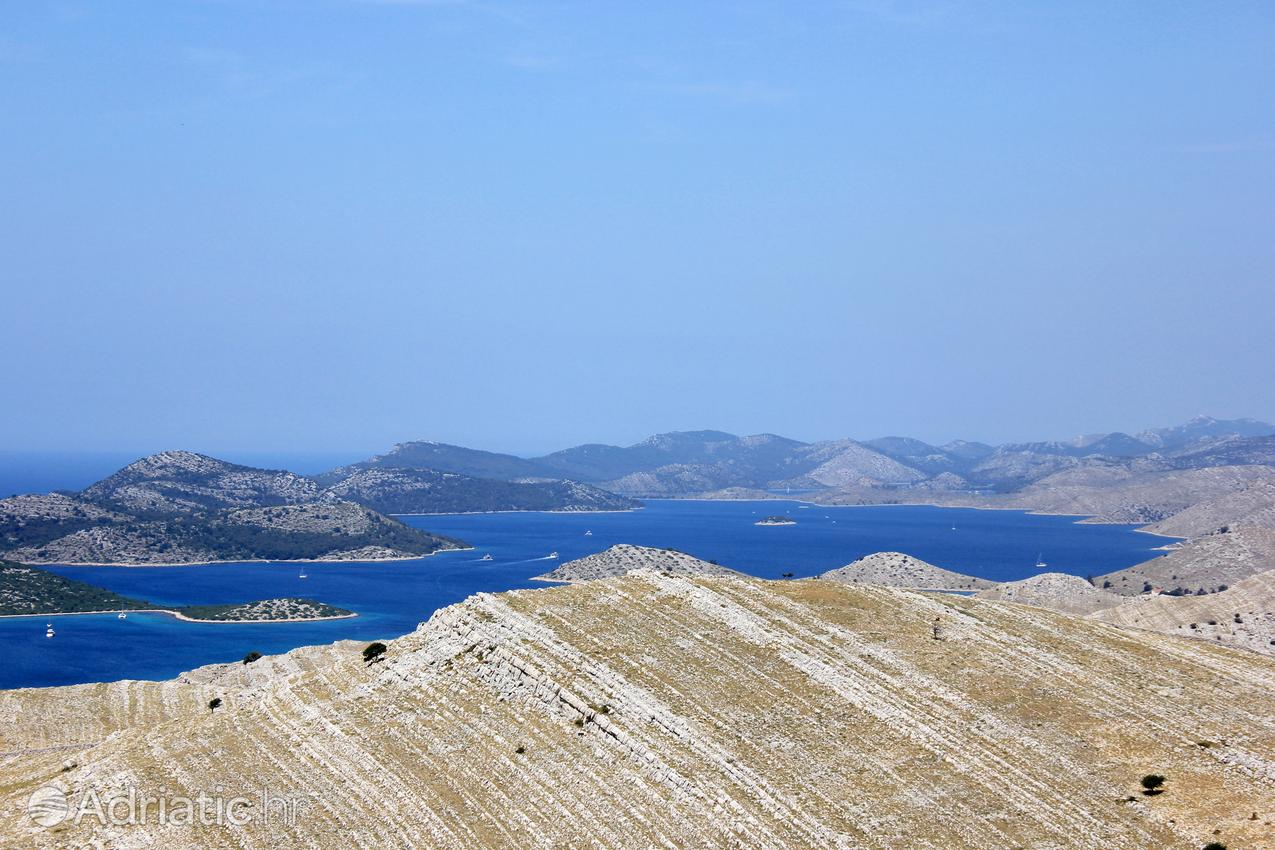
[392,597]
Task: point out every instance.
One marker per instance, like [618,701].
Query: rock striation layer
[656,710]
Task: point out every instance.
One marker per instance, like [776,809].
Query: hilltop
[896,569]
[624,558]
[1055,591]
[182,507]
[653,710]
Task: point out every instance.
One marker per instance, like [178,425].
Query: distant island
[777,519]
[284,610]
[29,591]
[185,508]
[180,507]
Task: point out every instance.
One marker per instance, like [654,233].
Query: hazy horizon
[332,226]
[251,455]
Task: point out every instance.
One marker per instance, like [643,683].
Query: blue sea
[391,598]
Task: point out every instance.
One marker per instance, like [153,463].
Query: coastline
[1079,518]
[556,513]
[132,566]
[177,615]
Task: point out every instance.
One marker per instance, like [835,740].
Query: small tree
[1152,783]
[1215,845]
[214,703]
[373,651]
[251,657]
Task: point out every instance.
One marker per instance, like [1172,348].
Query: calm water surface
[391,598]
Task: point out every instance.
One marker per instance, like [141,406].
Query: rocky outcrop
[1241,616]
[896,569]
[623,558]
[665,711]
[1203,565]
[1056,591]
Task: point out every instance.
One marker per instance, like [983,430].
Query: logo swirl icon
[48,806]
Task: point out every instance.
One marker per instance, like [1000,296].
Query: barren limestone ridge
[1207,564]
[1056,591]
[624,558]
[895,569]
[1243,615]
[657,710]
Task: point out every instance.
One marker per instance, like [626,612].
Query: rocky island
[776,520]
[185,508]
[30,591]
[287,610]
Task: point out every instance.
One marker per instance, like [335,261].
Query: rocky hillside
[664,711]
[425,491]
[335,531]
[1251,503]
[896,569]
[624,558]
[882,470]
[474,463]
[27,590]
[35,520]
[1055,591]
[1203,565]
[1241,616]
[183,482]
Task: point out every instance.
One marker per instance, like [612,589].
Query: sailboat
[48,630]
[486,557]
[122,616]
[303,575]
[1040,561]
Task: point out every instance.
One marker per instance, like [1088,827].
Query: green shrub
[214,703]
[1153,783]
[373,651]
[251,657]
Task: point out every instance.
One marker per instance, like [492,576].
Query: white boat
[1040,561]
[588,534]
[49,633]
[553,556]
[486,557]
[123,616]
[954,526]
[303,575]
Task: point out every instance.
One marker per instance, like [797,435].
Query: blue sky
[333,225]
